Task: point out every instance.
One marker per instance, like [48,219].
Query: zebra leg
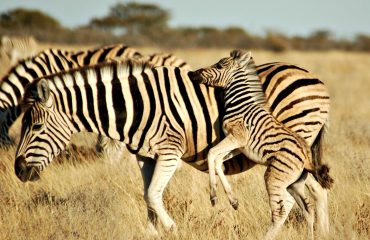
[99,144]
[297,190]
[277,182]
[164,169]
[321,197]
[215,159]
[147,166]
[225,183]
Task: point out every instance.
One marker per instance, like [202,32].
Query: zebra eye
[37,127]
[218,66]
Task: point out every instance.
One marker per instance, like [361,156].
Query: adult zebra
[157,112]
[47,62]
[51,61]
[17,48]
[251,129]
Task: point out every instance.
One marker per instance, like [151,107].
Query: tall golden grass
[89,198]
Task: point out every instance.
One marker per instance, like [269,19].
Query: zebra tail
[321,174]
[317,147]
[321,171]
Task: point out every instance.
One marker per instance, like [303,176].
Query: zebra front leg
[215,159]
[165,167]
[225,183]
[147,166]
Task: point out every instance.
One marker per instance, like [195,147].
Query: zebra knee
[153,199]
[211,157]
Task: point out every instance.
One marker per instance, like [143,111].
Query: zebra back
[102,54]
[167,59]
[289,87]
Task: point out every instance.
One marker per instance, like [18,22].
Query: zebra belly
[251,155]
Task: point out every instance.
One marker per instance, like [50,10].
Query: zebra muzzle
[196,76]
[25,173]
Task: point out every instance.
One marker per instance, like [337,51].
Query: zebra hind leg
[277,181]
[297,190]
[320,195]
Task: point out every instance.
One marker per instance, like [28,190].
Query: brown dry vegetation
[92,199]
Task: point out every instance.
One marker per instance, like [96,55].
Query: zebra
[110,147]
[55,60]
[156,112]
[250,128]
[17,48]
[12,85]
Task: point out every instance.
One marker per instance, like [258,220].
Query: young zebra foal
[251,129]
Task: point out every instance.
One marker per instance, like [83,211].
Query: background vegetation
[140,24]
[88,198]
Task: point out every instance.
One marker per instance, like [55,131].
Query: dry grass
[90,199]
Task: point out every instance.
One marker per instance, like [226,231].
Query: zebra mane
[29,98]
[255,82]
[128,64]
[32,60]
[250,78]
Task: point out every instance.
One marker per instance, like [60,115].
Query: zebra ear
[241,57]
[43,90]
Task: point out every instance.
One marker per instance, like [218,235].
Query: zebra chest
[237,128]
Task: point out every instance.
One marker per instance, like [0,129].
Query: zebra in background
[251,129]
[167,59]
[47,62]
[17,48]
[159,113]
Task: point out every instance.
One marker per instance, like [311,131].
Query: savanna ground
[89,198]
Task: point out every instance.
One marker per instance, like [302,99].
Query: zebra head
[225,70]
[45,132]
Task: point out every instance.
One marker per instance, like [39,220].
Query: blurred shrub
[142,24]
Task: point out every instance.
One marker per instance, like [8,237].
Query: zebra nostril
[20,165]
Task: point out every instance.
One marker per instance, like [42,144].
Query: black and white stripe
[109,147]
[47,62]
[152,110]
[167,59]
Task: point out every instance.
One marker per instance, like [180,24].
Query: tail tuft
[322,176]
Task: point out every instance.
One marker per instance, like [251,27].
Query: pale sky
[345,18]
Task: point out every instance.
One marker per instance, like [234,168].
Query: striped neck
[99,98]
[245,85]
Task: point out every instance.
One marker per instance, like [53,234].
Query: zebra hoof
[235,204]
[213,200]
